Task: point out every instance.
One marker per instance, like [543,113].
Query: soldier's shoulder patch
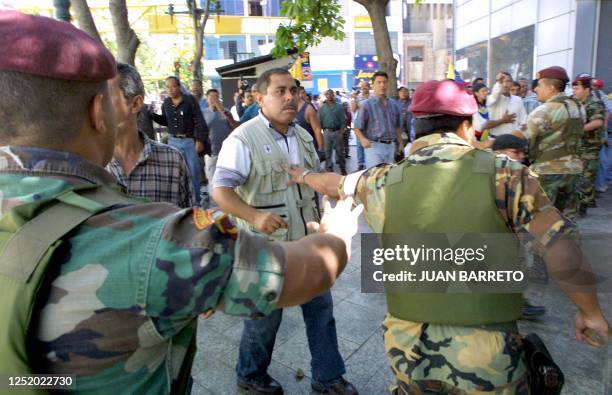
[202,219]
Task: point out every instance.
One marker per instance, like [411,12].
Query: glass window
[415,54]
[513,52]
[255,8]
[265,7]
[476,61]
[365,45]
[256,41]
[230,7]
[224,47]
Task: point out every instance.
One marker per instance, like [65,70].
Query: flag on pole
[453,74]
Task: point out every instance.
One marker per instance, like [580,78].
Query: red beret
[554,72]
[45,47]
[583,81]
[442,97]
[597,84]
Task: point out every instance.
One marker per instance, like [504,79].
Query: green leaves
[310,22]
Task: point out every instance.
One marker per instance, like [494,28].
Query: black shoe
[347,156]
[265,386]
[531,312]
[343,172]
[361,167]
[341,387]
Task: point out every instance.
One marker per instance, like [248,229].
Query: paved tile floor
[588,371]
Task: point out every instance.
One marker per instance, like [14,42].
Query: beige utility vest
[266,187]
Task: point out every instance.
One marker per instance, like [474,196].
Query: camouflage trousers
[453,360]
[587,181]
[562,190]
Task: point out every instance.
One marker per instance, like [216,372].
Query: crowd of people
[107,258]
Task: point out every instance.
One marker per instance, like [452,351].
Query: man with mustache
[250,184]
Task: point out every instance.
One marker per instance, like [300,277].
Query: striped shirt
[160,175]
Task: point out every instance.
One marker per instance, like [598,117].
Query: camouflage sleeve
[201,260]
[598,111]
[367,188]
[525,207]
[538,121]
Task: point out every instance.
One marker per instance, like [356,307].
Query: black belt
[384,141]
[330,129]
[181,136]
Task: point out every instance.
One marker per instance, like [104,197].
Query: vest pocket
[263,170]
[279,177]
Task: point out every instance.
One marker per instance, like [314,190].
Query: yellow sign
[322,84]
[162,24]
[363,22]
[228,25]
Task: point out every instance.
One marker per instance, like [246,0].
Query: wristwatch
[304,174]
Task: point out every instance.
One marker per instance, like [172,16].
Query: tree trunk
[376,10]
[127,40]
[83,16]
[199,42]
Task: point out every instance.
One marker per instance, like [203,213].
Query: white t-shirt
[498,104]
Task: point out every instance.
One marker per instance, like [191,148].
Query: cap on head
[554,72]
[442,97]
[48,48]
[509,141]
[597,84]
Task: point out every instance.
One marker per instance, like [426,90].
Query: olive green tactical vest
[447,197]
[570,136]
[266,187]
[29,235]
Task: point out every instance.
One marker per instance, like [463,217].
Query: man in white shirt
[506,112]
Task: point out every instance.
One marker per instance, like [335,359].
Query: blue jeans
[379,153]
[258,339]
[187,148]
[360,153]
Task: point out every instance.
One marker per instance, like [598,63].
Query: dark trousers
[258,339]
[334,141]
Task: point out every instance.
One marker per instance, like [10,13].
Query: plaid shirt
[160,175]
[376,120]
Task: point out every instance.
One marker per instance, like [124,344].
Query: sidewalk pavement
[588,371]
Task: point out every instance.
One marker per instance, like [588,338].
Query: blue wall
[334,80]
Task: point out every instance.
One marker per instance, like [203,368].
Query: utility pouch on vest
[571,135]
[25,254]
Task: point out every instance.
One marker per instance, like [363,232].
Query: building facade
[523,36]
[427,36]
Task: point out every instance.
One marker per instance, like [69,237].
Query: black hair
[379,73]
[264,79]
[213,90]
[442,123]
[174,78]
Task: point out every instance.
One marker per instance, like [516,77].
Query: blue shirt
[377,120]
[250,113]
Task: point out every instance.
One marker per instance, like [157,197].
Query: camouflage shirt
[444,353]
[592,141]
[548,121]
[124,294]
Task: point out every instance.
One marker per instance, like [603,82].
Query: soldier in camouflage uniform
[554,133]
[118,305]
[457,359]
[592,140]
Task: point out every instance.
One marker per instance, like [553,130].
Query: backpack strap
[25,248]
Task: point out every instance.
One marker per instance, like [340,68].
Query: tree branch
[127,40]
[83,16]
